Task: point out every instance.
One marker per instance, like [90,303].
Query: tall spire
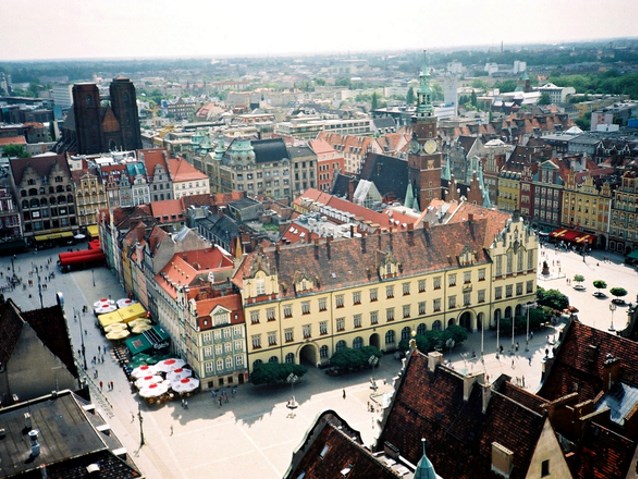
[424,106]
[424,469]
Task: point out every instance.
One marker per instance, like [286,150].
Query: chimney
[611,371]
[486,394]
[502,459]
[35,445]
[434,359]
[468,381]
[328,241]
[426,231]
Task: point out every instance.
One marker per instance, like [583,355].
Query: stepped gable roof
[181,170]
[579,362]
[269,151]
[431,405]
[329,448]
[389,174]
[350,261]
[42,165]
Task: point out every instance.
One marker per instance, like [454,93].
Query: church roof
[389,174]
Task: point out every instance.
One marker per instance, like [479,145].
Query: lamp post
[528,306]
[77,314]
[141,419]
[498,332]
[612,308]
[513,324]
[13,268]
[93,276]
[292,379]
[37,273]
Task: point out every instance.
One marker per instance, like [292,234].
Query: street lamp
[93,276]
[292,379]
[612,308]
[37,273]
[76,314]
[13,269]
[498,332]
[141,419]
[528,306]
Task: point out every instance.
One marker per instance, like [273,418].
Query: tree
[409,97]
[374,101]
[552,298]
[275,373]
[432,340]
[545,99]
[350,359]
[618,292]
[599,284]
[579,278]
[473,100]
[15,151]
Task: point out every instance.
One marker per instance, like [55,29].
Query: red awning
[578,237]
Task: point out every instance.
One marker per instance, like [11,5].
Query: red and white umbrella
[143,370]
[168,365]
[179,373]
[104,309]
[103,302]
[146,381]
[124,302]
[185,385]
[154,390]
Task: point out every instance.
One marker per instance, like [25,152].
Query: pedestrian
[99,349]
[185,404]
[101,384]
[344,394]
[112,386]
[220,401]
[95,375]
[85,332]
[171,430]
[132,418]
[512,363]
[529,359]
[531,335]
[516,346]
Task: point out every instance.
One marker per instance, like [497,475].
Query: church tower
[87,111]
[424,156]
[124,105]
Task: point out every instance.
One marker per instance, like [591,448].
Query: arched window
[44,202]
[52,200]
[436,325]
[357,343]
[220,364]
[257,363]
[323,352]
[51,189]
[405,333]
[519,265]
[497,315]
[290,358]
[69,188]
[508,312]
[389,337]
[61,199]
[421,329]
[33,191]
[59,189]
[273,359]
[340,346]
[451,322]
[69,199]
[25,204]
[510,259]
[23,193]
[34,203]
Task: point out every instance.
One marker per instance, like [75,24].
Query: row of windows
[529,289]
[221,366]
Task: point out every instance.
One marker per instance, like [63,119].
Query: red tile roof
[168,211]
[181,170]
[13,140]
[231,302]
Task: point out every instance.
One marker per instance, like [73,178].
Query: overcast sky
[44,29]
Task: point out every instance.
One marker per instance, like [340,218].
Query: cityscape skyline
[196,28]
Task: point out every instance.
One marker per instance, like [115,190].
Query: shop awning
[54,236]
[578,237]
[155,338]
[93,231]
[633,255]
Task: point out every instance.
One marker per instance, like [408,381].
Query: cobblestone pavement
[255,434]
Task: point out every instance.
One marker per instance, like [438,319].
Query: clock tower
[424,156]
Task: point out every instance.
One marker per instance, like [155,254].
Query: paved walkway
[255,434]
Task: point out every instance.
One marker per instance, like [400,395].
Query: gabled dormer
[389,266]
[467,257]
[262,279]
[304,283]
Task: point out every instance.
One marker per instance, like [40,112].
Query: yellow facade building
[90,197]
[508,196]
[586,206]
[304,302]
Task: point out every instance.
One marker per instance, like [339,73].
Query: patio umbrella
[146,381]
[79,236]
[140,328]
[117,335]
[185,385]
[144,370]
[169,364]
[154,390]
[124,302]
[109,328]
[103,302]
[139,322]
[178,374]
[109,308]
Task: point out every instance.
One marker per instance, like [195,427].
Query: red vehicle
[80,259]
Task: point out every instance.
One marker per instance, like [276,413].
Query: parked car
[579,287]
[619,301]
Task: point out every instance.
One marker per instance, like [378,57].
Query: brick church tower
[424,157]
[96,128]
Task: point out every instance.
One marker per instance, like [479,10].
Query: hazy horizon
[144,29]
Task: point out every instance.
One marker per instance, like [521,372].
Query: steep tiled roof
[41,164]
[331,447]
[389,174]
[231,302]
[603,454]
[351,261]
[11,326]
[167,211]
[152,158]
[579,362]
[181,170]
[432,405]
[321,147]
